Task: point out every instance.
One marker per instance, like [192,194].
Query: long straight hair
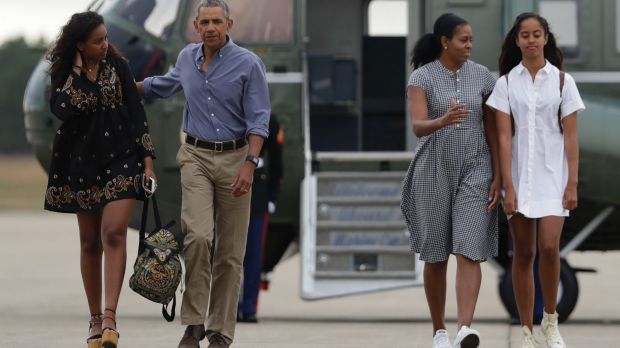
[511,54]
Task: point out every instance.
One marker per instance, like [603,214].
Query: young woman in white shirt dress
[539,155]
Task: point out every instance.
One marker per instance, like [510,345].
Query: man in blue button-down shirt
[227,106]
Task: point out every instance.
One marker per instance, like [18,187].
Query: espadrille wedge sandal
[109,338]
[94,341]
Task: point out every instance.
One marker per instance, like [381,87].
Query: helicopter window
[563,18]
[145,59]
[156,16]
[101,6]
[255,21]
[388,18]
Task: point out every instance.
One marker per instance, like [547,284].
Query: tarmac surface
[42,303]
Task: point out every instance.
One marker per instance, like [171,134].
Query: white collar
[547,69]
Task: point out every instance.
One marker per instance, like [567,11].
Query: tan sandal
[109,338]
[94,341]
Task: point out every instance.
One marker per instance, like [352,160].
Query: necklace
[91,71]
[91,68]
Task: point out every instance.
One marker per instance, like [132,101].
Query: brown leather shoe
[192,337]
[218,341]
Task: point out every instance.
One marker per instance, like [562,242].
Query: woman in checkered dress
[452,185]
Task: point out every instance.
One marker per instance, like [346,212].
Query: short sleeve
[488,83]
[418,78]
[571,100]
[498,100]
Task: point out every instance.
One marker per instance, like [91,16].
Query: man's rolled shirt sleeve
[256,104]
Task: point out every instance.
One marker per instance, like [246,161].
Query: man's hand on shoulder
[140,88]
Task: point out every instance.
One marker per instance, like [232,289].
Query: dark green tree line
[17,60]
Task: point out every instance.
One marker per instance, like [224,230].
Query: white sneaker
[441,339]
[549,327]
[467,338]
[529,341]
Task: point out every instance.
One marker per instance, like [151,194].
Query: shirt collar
[520,69]
[200,56]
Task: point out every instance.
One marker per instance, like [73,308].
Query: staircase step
[377,238]
[361,225]
[360,184]
[364,275]
[360,175]
[358,213]
[394,200]
[382,249]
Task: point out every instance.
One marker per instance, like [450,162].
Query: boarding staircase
[354,237]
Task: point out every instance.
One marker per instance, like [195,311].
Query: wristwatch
[252,159]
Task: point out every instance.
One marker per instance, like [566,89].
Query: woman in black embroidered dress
[99,154]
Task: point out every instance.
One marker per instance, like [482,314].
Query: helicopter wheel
[568,293]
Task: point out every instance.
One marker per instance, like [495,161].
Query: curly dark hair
[511,54]
[62,53]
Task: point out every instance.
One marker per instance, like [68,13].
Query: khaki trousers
[209,210]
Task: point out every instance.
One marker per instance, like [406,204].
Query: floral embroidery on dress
[81,100]
[147,143]
[111,87]
[86,199]
[68,83]
[56,196]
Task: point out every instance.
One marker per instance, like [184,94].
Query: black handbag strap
[145,215]
[164,310]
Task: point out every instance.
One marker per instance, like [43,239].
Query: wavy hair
[511,54]
[62,53]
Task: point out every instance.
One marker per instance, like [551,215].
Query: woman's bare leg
[524,237]
[91,251]
[114,221]
[549,232]
[435,288]
[468,279]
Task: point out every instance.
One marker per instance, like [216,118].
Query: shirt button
[218,130]
[458,91]
[212,114]
[206,81]
[209,98]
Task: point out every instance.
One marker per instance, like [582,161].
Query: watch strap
[252,159]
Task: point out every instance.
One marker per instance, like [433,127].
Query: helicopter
[338,92]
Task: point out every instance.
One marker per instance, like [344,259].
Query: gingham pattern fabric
[446,190]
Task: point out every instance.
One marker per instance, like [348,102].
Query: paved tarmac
[42,302]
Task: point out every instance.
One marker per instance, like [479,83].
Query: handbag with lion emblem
[157,271]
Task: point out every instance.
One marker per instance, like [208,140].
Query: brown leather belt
[217,146]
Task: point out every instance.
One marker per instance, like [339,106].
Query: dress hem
[94,208]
